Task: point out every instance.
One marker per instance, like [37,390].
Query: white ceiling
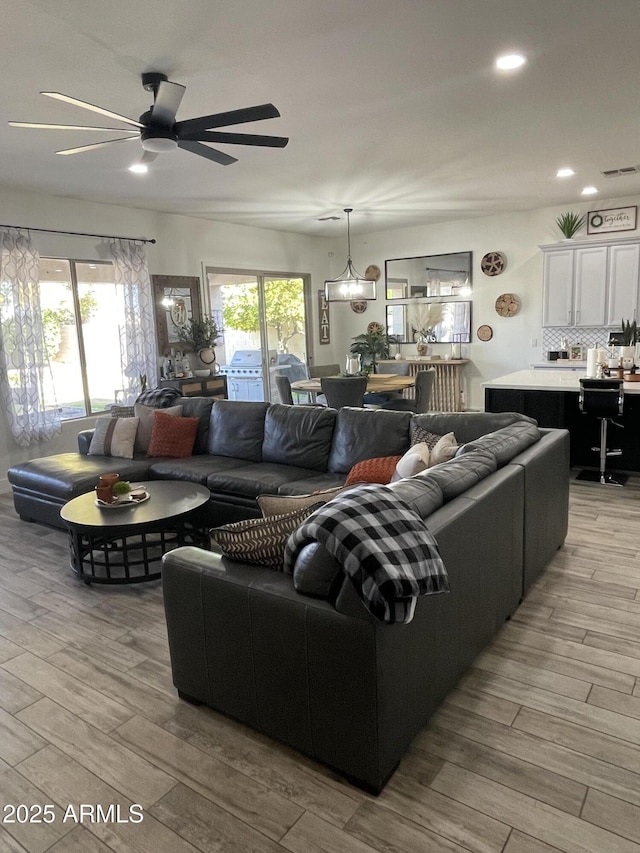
[392,106]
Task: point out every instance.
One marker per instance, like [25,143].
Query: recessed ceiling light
[139,168]
[565,172]
[510,61]
[589,190]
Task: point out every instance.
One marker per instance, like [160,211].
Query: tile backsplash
[588,336]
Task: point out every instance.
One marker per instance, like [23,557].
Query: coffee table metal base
[122,556]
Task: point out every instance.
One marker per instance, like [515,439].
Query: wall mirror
[432,322]
[429,276]
[177,300]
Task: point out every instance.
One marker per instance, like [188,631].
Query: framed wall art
[612,219]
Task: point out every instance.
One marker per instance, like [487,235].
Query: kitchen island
[551,397]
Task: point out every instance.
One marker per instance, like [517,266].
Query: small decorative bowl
[202,373]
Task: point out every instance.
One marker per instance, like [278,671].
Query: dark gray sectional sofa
[317,671]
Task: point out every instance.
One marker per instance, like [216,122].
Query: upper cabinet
[591,284]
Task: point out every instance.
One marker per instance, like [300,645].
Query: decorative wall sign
[613,219]
[493,263]
[507,305]
[324,321]
[484,333]
[358,306]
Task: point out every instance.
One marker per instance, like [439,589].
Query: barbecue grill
[245,372]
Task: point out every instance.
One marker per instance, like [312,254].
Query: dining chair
[344,390]
[317,371]
[424,388]
[379,398]
[283,387]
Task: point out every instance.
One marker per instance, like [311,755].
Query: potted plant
[629,338]
[371,347]
[570,223]
[201,335]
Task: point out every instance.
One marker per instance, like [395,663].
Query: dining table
[379,382]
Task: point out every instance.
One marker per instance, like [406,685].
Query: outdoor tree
[284,302]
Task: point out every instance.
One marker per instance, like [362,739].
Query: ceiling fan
[159,131]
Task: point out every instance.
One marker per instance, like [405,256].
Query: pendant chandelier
[349,285]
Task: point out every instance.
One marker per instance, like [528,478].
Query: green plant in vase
[371,347]
[629,333]
[570,223]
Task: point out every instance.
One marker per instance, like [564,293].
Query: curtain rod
[81,234]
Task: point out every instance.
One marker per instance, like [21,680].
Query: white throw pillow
[444,450]
[416,459]
[114,437]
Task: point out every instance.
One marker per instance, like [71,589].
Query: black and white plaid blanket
[383,545]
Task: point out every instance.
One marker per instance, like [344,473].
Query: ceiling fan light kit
[158,130]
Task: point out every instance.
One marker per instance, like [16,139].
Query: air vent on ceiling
[618,173]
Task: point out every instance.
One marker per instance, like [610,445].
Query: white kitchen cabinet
[593,283]
[623,276]
[557,298]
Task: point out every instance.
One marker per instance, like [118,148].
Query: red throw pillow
[172,436]
[378,470]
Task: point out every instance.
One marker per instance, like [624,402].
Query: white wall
[183,245]
[518,236]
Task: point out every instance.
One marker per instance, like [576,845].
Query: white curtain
[139,352]
[24,365]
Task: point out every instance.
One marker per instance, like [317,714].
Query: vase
[206,358]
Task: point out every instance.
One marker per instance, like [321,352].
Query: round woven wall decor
[493,263]
[507,305]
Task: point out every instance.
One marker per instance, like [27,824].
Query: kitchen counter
[547,380]
[551,397]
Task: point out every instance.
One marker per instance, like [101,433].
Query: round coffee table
[125,543]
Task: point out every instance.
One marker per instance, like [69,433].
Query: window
[84,325]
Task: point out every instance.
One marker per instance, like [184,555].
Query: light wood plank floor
[537,750]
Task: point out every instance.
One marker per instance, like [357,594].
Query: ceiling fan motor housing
[158,139]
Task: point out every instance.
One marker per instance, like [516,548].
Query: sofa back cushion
[460,474]
[421,494]
[366,434]
[236,429]
[198,407]
[505,443]
[467,426]
[298,435]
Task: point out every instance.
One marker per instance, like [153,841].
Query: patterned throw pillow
[444,450]
[378,470]
[279,504]
[420,435]
[172,436]
[122,412]
[114,437]
[159,398]
[145,427]
[259,540]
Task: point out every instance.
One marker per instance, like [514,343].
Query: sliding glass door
[264,318]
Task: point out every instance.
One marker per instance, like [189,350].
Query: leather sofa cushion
[195,469]
[198,407]
[313,483]
[298,435]
[236,429]
[461,473]
[366,434]
[317,573]
[422,494]
[65,475]
[467,426]
[255,479]
[504,443]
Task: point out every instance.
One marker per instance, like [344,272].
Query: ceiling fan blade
[165,107]
[209,153]
[40,126]
[86,106]
[194,125]
[95,145]
[238,138]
